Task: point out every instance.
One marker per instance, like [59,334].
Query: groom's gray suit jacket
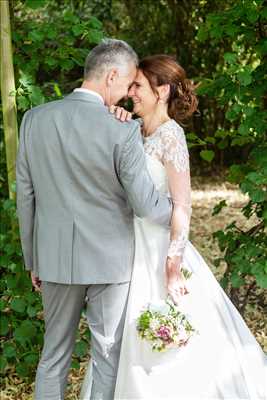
[81,175]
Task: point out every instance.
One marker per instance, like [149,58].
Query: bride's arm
[176,161]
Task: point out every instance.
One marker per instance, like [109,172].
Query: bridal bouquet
[164,326]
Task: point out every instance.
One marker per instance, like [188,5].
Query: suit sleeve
[145,200]
[25,195]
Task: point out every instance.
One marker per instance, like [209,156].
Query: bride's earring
[160,101]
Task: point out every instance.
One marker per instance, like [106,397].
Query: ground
[206,193]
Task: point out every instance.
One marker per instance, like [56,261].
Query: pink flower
[164,333]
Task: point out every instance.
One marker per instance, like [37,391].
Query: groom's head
[110,69]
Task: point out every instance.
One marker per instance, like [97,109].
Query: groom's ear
[111,76]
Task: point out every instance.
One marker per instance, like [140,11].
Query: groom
[81,176]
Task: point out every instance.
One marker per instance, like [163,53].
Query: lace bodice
[168,145]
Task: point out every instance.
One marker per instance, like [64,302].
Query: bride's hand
[120,113]
[175,280]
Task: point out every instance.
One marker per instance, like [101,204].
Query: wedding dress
[223,360]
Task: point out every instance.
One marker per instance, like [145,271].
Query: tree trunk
[8,95]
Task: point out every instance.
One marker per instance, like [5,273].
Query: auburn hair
[162,69]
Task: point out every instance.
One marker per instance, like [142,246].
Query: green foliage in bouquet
[163,326]
[239,84]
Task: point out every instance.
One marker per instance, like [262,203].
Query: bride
[223,361]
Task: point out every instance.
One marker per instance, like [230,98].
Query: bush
[239,85]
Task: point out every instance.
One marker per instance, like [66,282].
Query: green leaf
[223,144]
[36,36]
[210,139]
[57,90]
[2,304]
[244,76]
[264,13]
[237,281]
[36,96]
[218,207]
[68,16]
[191,136]
[264,216]
[22,369]
[244,129]
[202,34]
[87,333]
[230,57]
[81,348]
[67,64]
[31,297]
[15,268]
[256,178]
[9,350]
[95,23]
[31,311]
[34,4]
[78,29]
[224,282]
[51,33]
[246,187]
[3,325]
[18,305]
[240,141]
[207,155]
[231,114]
[3,363]
[51,61]
[75,364]
[25,331]
[252,15]
[23,103]
[94,36]
[231,30]
[262,281]
[31,359]
[258,196]
[25,79]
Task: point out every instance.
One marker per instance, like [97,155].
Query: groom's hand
[36,282]
[120,113]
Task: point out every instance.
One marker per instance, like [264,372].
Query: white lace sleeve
[175,157]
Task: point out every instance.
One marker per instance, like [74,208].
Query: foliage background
[222,46]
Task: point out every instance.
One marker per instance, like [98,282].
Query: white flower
[157,343]
[182,335]
[154,324]
[161,307]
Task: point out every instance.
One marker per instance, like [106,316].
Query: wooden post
[8,95]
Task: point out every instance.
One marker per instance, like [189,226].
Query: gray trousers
[105,312]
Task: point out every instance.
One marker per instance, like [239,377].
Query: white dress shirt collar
[92,92]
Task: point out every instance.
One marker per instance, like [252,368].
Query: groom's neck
[96,86]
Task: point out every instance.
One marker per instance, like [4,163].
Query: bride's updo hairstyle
[161,70]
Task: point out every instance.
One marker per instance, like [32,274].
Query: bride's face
[143,97]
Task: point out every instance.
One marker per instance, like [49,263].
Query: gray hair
[110,53]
